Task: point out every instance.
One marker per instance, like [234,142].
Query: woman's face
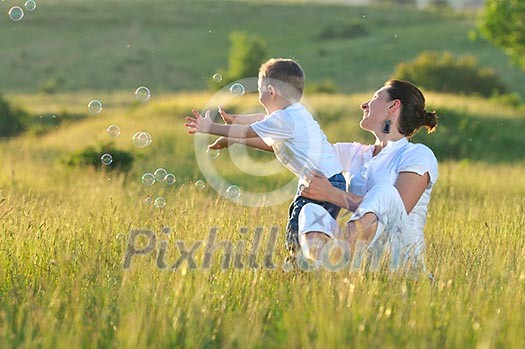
[375,111]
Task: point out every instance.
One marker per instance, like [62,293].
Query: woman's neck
[382,142]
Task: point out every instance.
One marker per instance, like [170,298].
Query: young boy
[288,130]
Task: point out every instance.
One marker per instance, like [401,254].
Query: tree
[12,120]
[503,23]
[247,53]
[443,72]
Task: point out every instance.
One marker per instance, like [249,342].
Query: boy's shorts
[292,228]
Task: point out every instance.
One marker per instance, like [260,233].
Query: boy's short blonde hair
[287,74]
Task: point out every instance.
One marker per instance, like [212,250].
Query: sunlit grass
[64,231]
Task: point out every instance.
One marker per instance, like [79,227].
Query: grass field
[178,45]
[64,231]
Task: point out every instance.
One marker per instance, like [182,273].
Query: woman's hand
[318,187]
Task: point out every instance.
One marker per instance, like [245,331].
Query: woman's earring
[386,126]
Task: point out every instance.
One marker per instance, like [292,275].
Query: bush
[445,73]
[91,156]
[44,123]
[350,30]
[394,2]
[511,99]
[247,53]
[326,86]
[13,121]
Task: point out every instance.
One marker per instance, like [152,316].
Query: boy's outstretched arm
[240,119]
[200,124]
[224,142]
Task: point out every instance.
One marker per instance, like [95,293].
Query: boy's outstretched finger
[196,113]
[225,116]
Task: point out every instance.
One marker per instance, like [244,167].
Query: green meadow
[64,231]
[178,45]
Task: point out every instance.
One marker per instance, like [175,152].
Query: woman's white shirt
[362,170]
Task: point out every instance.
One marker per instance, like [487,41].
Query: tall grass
[64,237]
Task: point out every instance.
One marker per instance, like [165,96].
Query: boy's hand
[198,124]
[228,118]
[220,143]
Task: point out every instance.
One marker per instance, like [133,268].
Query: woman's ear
[395,104]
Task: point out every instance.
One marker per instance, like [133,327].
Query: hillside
[67,46]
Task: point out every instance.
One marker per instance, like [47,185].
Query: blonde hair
[287,74]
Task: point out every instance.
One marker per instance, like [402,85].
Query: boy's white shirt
[298,141]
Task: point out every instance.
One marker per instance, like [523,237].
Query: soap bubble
[237,89]
[148,179]
[217,77]
[142,139]
[113,131]
[95,106]
[233,192]
[170,179]
[148,200]
[142,94]
[30,5]
[200,185]
[160,174]
[160,202]
[16,13]
[213,153]
[106,159]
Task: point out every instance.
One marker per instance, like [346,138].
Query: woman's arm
[321,189]
[411,186]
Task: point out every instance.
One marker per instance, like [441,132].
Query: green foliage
[461,136]
[188,40]
[443,72]
[51,85]
[349,30]
[393,2]
[439,4]
[45,123]
[502,23]
[325,86]
[13,120]
[247,53]
[91,157]
[511,99]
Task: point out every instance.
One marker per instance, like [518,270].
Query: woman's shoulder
[419,158]
[419,150]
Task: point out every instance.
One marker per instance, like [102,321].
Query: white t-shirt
[298,141]
[362,170]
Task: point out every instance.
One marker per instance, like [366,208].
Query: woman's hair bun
[430,121]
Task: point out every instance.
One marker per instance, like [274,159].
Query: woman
[389,190]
